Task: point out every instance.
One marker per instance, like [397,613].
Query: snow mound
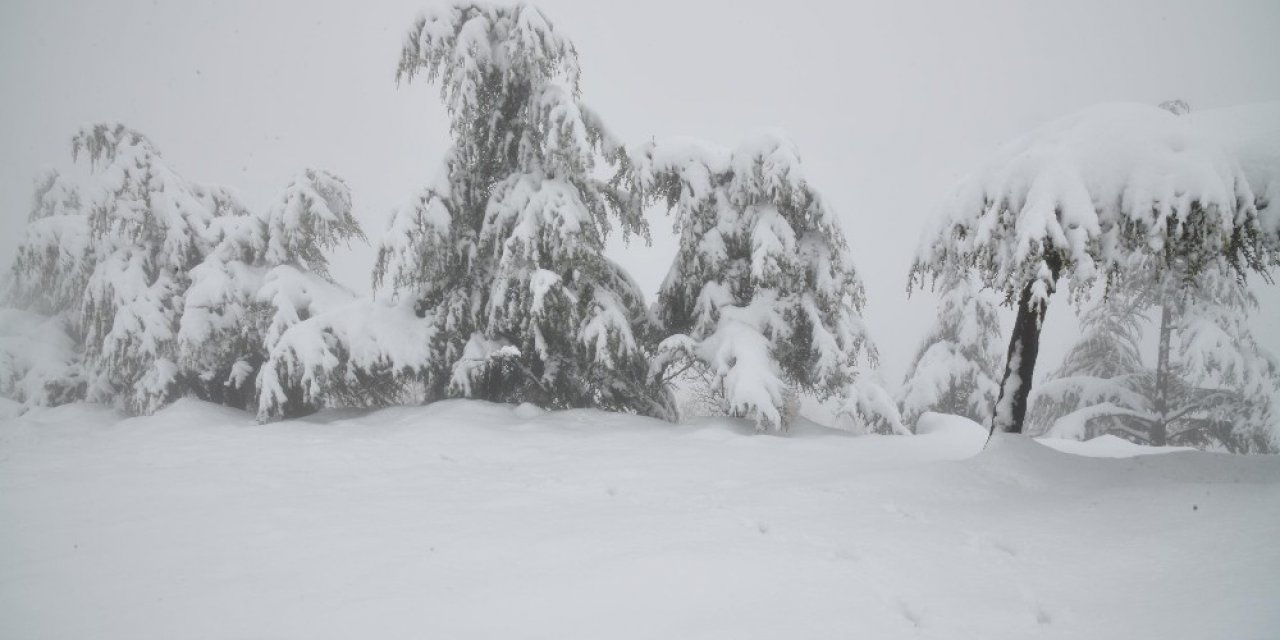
[934,423]
[1098,465]
[9,408]
[1106,446]
[528,411]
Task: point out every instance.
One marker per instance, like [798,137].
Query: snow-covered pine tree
[147,232]
[49,271]
[1080,198]
[957,367]
[505,257]
[264,273]
[1103,369]
[762,294]
[40,328]
[1211,384]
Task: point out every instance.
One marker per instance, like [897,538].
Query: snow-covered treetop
[1252,134]
[1087,190]
[509,80]
[467,48]
[755,196]
[54,196]
[139,198]
[465,45]
[102,142]
[313,215]
[510,83]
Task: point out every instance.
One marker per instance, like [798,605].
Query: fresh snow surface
[472,520]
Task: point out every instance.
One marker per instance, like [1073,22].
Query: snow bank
[1106,446]
[933,423]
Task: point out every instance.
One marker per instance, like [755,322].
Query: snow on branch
[1093,188]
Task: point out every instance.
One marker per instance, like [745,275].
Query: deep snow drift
[469,520]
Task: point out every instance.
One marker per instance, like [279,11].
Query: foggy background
[889,103]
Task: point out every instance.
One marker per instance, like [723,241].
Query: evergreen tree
[265,273]
[147,233]
[40,338]
[1211,384]
[48,273]
[763,295]
[504,258]
[955,371]
[1081,198]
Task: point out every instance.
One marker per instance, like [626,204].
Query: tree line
[135,286]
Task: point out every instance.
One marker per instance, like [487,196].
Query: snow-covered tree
[140,286]
[1079,198]
[48,273]
[763,294]
[39,326]
[148,229]
[504,258]
[957,367]
[1210,385]
[264,273]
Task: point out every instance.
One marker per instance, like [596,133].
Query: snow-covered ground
[468,520]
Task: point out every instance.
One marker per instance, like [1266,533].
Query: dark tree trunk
[1158,436]
[1024,346]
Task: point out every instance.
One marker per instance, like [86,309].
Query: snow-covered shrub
[168,287]
[148,229]
[957,367]
[40,363]
[504,258]
[763,294]
[39,359]
[362,353]
[264,273]
[1079,198]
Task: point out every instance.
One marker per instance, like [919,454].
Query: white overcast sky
[890,103]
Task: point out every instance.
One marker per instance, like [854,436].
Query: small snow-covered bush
[362,353]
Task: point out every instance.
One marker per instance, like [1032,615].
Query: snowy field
[469,520]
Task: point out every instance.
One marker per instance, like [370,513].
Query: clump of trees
[151,287]
[491,283]
[134,285]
